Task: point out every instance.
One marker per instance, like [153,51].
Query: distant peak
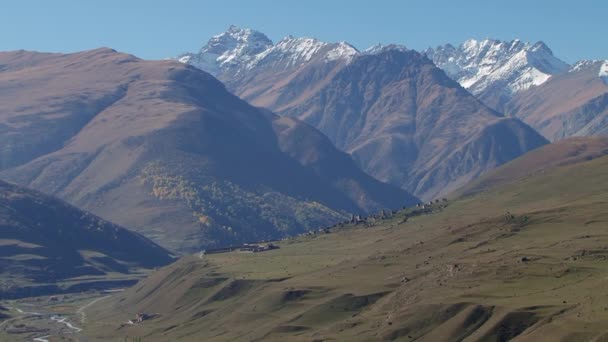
[245,40]
[373,48]
[342,50]
[105,49]
[234,28]
[379,48]
[540,45]
[513,65]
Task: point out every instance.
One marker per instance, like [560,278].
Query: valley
[49,318]
[264,186]
[515,259]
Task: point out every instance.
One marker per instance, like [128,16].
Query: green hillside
[525,259]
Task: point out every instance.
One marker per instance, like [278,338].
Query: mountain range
[163,148]
[527,81]
[494,70]
[389,107]
[320,154]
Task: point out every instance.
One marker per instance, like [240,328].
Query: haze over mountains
[388,106]
[163,148]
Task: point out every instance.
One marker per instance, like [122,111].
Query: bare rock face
[401,118]
[163,148]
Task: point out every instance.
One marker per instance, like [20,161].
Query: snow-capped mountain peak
[341,50]
[379,48]
[245,40]
[237,50]
[228,50]
[509,67]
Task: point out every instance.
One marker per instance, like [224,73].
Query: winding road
[80,311]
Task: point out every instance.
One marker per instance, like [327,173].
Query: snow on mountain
[341,50]
[580,65]
[506,67]
[379,48]
[599,66]
[294,50]
[290,51]
[228,50]
[240,49]
[603,74]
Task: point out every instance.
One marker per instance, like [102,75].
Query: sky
[154,29]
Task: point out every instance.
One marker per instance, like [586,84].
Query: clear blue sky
[158,29]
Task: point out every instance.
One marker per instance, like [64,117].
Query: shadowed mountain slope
[45,240]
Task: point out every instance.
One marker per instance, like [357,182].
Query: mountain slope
[523,261]
[389,107]
[494,70]
[396,114]
[570,104]
[174,155]
[564,152]
[45,240]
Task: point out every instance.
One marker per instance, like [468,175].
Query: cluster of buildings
[368,221]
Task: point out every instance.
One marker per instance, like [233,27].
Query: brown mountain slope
[401,118]
[561,153]
[162,147]
[570,104]
[45,240]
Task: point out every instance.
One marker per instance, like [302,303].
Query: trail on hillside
[81,309]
